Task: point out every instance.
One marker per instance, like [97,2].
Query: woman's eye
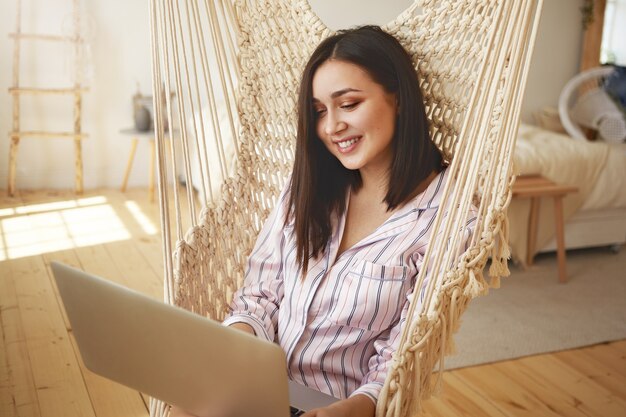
[320,112]
[349,106]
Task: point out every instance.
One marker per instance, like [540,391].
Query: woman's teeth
[347,143]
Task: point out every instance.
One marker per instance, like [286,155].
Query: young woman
[333,267]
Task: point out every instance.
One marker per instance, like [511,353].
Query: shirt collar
[431,196]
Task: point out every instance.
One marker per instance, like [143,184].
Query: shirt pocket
[370,296]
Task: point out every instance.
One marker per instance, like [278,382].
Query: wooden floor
[115,235]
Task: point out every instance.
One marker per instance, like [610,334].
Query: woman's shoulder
[283,203]
[432,191]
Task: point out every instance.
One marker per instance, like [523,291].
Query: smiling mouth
[347,143]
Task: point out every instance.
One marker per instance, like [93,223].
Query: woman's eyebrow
[339,93]
[344,91]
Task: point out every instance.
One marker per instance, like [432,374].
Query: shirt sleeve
[388,343]
[258,301]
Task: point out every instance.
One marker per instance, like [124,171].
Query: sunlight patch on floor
[143,220]
[49,227]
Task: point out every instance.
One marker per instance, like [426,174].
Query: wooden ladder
[17,90]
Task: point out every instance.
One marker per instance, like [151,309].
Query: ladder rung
[44,37]
[33,90]
[49,134]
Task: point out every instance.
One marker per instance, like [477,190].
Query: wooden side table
[135,135]
[535,187]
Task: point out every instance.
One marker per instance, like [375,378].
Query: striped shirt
[340,325]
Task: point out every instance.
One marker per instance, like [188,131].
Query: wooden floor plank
[8,207]
[60,386]
[544,388]
[459,399]
[18,395]
[68,257]
[611,355]
[134,269]
[505,391]
[148,245]
[620,346]
[586,364]
[587,395]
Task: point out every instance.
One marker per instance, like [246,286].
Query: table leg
[560,237]
[532,230]
[129,165]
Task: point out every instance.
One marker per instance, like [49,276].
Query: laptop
[177,356]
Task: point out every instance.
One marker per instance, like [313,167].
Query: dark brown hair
[319,182]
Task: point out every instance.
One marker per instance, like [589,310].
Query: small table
[535,187]
[135,135]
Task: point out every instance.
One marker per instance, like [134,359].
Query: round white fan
[583,102]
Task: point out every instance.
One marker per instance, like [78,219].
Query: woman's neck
[374,185]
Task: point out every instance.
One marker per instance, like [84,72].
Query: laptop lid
[170,353]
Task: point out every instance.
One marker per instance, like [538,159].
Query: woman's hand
[357,406]
[243,327]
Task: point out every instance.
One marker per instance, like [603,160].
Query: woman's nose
[333,124]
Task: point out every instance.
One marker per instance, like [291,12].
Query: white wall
[613,45]
[556,56]
[346,13]
[121,56]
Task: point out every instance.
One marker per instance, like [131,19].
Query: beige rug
[532,313]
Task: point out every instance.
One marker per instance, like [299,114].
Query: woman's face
[356,117]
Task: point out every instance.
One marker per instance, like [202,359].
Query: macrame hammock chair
[226,76]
